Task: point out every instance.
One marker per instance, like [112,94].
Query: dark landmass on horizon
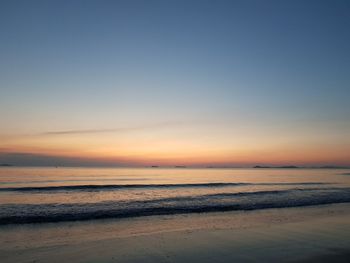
[6,164]
[75,163]
[301,167]
[280,167]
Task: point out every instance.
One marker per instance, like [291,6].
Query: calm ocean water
[35,195]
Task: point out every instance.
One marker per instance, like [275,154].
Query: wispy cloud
[88,131]
[114,130]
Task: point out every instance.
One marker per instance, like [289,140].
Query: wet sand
[308,234]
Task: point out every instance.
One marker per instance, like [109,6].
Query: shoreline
[228,236]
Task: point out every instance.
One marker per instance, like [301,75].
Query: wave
[138,186]
[43,213]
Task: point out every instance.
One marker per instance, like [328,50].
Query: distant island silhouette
[6,164]
[299,167]
[281,167]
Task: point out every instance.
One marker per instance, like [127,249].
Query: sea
[42,195]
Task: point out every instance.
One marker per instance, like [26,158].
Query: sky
[136,82]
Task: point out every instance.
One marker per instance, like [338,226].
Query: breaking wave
[56,212]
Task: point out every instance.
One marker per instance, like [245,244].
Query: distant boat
[180,166]
[154,166]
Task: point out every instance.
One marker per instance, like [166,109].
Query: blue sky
[212,66]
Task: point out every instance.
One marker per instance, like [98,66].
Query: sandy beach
[308,234]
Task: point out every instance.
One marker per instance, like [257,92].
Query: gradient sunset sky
[139,82]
